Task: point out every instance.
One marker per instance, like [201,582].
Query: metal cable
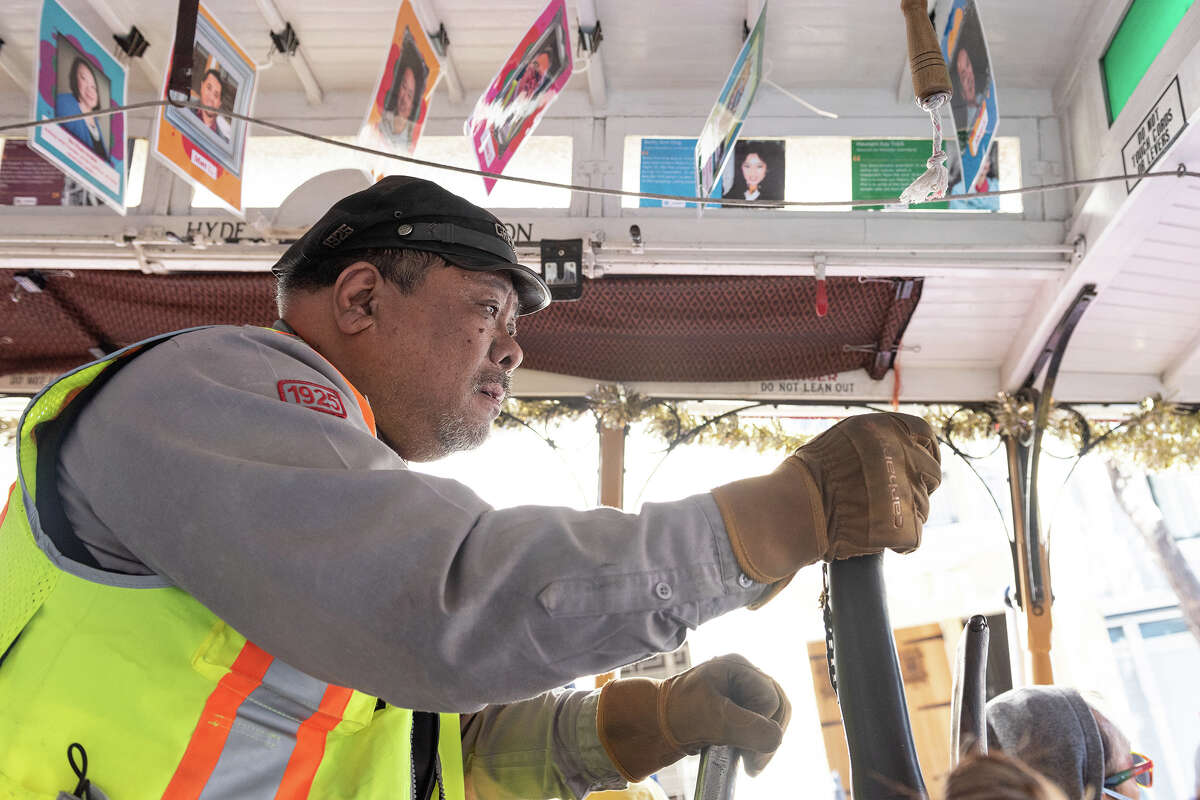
[1180,172]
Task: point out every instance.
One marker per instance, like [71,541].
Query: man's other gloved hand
[858,488]
[647,724]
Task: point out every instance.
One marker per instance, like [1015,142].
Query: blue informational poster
[75,75]
[666,168]
[715,145]
[974,85]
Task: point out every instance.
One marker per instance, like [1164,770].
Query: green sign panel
[885,167]
[1141,35]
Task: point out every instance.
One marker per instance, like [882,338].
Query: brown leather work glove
[647,724]
[858,488]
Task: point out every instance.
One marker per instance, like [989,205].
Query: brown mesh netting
[695,329]
[710,329]
[54,330]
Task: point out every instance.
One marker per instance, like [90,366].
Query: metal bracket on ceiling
[286,41]
[1080,249]
[132,44]
[147,266]
[591,267]
[439,39]
[29,281]
[590,38]
[637,243]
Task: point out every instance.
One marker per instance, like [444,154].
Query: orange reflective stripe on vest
[310,743]
[257,737]
[215,717]
[212,731]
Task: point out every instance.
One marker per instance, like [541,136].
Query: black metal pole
[883,757]
[968,726]
[179,82]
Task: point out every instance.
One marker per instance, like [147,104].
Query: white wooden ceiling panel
[1118,330]
[1165,327]
[1157,268]
[957,367]
[1150,302]
[926,324]
[998,303]
[666,45]
[1183,214]
[1176,234]
[1082,357]
[980,346]
[979,290]
[951,309]
[1125,345]
[1159,285]
[1157,246]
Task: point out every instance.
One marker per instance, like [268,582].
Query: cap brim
[532,292]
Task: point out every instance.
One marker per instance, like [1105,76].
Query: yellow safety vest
[166,699]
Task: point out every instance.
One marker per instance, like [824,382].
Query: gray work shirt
[198,467]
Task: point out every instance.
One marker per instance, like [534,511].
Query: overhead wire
[1180,172]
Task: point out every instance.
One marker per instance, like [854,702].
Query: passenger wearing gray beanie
[1053,730]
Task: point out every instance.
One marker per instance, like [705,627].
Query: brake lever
[717,773]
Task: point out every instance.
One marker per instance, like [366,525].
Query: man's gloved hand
[647,724]
[858,488]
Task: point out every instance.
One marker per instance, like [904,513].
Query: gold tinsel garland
[615,406]
[1159,436]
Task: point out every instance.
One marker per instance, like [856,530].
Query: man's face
[407,94]
[210,93]
[436,368]
[966,75]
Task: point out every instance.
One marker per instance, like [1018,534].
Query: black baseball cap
[414,214]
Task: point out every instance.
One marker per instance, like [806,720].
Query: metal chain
[828,614]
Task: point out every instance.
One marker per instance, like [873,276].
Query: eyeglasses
[1142,773]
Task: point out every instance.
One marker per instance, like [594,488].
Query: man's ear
[355,294]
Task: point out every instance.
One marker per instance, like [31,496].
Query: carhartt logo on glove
[894,488]
[860,487]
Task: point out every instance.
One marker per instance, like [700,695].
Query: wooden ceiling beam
[429,18]
[1186,362]
[597,86]
[276,22]
[15,67]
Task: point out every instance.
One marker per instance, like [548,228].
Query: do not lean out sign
[1156,132]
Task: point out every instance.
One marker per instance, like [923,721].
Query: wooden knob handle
[929,75]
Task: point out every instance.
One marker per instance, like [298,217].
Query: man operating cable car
[221,580]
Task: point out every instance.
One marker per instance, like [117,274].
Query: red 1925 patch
[312,395]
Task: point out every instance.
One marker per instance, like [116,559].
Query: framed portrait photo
[400,102]
[207,146]
[530,80]
[76,75]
